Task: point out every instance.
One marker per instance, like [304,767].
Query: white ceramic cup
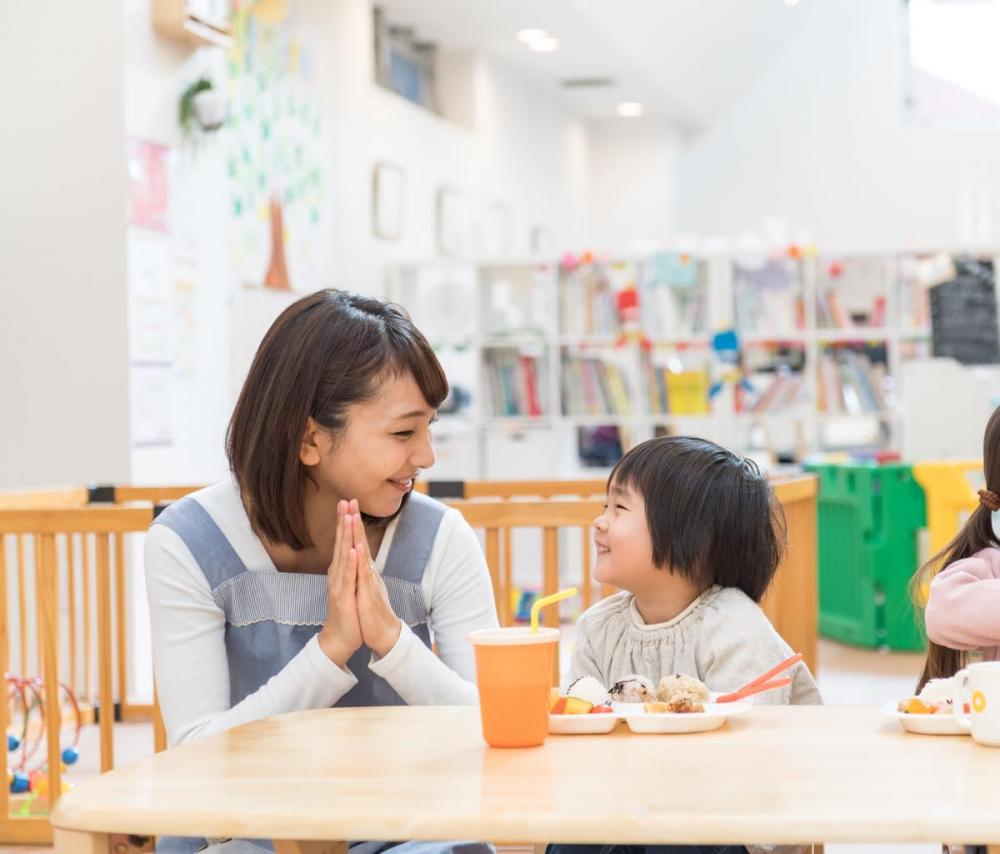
[978,685]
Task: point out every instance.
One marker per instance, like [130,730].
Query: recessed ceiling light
[791,2]
[629,109]
[532,34]
[545,45]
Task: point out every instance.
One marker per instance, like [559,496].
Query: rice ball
[633,689]
[677,686]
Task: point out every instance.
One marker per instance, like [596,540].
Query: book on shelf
[769,298]
[850,383]
[672,392]
[593,386]
[516,383]
[587,301]
[688,391]
[776,392]
[671,311]
[831,314]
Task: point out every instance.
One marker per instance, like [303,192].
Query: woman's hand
[341,636]
[380,627]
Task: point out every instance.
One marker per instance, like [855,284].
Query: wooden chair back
[790,603]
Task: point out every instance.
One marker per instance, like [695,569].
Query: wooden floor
[847,676]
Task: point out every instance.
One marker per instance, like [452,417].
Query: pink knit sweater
[964,607]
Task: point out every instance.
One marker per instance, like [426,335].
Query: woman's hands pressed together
[358,609]
[380,627]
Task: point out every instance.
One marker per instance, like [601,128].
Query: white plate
[714,716]
[941,723]
[596,724]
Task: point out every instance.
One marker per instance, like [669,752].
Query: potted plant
[202,107]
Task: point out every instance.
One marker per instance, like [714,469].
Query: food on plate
[585,696]
[933,699]
[633,689]
[683,694]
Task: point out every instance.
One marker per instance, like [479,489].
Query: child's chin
[604,577]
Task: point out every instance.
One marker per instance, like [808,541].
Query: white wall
[513,145]
[63,336]
[820,141]
[632,184]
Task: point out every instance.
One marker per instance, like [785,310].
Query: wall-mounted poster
[146,167]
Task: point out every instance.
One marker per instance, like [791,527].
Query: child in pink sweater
[963,611]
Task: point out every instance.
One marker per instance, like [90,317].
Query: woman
[263,591]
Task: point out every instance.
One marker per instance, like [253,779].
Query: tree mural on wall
[276,151]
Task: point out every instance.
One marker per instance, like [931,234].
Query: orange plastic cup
[514,673]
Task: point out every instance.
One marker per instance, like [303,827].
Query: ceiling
[686,61]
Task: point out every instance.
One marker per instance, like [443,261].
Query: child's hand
[340,636]
[380,627]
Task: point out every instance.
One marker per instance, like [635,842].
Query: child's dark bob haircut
[712,515]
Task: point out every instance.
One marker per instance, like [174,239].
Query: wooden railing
[70,560]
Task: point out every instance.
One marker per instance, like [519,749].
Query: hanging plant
[202,108]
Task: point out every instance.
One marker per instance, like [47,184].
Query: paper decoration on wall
[148,254]
[276,153]
[150,404]
[146,166]
[388,201]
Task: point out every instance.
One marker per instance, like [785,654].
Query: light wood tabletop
[777,774]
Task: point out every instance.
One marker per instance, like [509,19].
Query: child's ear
[309,452]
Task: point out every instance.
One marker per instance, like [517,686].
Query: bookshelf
[557,368]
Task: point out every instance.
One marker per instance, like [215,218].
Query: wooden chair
[790,602]
[37,499]
[70,550]
[498,519]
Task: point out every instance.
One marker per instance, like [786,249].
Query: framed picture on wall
[388,200]
[449,219]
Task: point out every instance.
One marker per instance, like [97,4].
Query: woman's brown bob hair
[325,352]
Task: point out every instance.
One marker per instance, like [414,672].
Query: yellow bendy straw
[548,600]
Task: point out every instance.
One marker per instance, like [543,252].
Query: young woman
[315,577]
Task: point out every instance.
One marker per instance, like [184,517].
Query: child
[693,535]
[963,611]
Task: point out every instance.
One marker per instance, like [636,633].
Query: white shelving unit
[486,320]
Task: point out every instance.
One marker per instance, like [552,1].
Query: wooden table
[778,774]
